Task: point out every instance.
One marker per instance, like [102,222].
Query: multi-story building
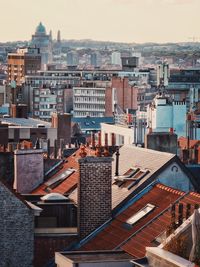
[72,58]
[184,85]
[97,80]
[95,59]
[165,113]
[47,100]
[26,61]
[116,58]
[90,100]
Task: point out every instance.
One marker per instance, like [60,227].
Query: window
[140,214]
[52,183]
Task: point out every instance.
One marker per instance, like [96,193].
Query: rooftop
[95,256]
[65,179]
[25,122]
[138,167]
[145,232]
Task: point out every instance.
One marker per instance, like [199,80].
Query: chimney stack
[99,139]
[94,194]
[28,169]
[93,140]
[106,139]
[113,140]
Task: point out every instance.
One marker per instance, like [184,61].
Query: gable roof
[150,163]
[142,158]
[134,239]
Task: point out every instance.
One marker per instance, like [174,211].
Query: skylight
[59,178]
[140,214]
[131,177]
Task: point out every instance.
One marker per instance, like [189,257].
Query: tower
[58,37]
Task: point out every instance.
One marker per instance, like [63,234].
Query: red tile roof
[192,143]
[136,238]
[68,184]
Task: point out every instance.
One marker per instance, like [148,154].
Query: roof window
[140,214]
[130,178]
[52,183]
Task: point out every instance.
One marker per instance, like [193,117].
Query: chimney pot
[82,153]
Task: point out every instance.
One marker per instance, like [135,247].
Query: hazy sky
[114,20]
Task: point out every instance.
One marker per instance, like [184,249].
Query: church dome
[40,29]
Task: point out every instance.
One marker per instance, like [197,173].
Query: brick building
[26,61]
[121,93]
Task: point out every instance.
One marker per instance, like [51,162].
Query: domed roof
[40,29]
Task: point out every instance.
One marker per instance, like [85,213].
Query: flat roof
[25,122]
[96,256]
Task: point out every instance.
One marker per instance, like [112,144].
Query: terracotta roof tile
[134,239]
[117,233]
[68,184]
[183,143]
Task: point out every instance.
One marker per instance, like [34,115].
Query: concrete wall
[158,257]
[127,133]
[173,176]
[163,117]
[106,264]
[29,170]
[165,142]
[179,118]
[16,231]
[63,261]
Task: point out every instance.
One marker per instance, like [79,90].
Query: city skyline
[132,21]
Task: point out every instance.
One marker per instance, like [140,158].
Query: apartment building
[47,100]
[89,101]
[25,61]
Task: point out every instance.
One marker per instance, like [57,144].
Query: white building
[89,101]
[116,58]
[164,114]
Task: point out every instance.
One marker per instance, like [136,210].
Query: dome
[53,196]
[40,29]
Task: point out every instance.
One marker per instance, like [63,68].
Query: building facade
[89,101]
[164,114]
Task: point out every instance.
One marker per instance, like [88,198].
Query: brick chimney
[94,194]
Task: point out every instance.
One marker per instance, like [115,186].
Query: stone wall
[16,230]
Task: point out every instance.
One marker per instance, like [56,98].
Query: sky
[133,21]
